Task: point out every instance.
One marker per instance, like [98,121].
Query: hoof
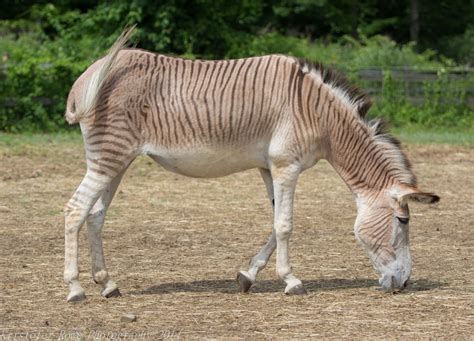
[76,297]
[114,293]
[244,282]
[296,290]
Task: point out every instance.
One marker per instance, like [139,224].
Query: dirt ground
[174,245]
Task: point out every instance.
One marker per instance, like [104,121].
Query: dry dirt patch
[174,245]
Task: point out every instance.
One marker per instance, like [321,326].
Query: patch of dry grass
[174,245]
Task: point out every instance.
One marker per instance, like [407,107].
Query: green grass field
[408,135]
[414,135]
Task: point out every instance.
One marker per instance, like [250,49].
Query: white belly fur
[209,162]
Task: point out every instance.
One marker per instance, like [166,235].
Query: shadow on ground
[267,286]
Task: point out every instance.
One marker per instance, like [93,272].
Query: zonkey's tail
[87,100]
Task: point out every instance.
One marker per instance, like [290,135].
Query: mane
[351,94]
[361,102]
[381,136]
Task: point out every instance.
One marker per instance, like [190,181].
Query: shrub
[439,103]
[41,61]
[36,75]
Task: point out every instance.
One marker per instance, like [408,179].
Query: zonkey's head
[382,226]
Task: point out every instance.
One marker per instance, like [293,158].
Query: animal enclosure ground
[174,245]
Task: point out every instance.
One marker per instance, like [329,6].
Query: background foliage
[44,47]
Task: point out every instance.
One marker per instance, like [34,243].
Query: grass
[11,140]
[417,135]
[408,135]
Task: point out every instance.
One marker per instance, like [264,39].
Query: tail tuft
[86,101]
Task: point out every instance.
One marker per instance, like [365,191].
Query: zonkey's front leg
[258,262]
[284,184]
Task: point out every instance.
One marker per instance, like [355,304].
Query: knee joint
[97,214]
[283,232]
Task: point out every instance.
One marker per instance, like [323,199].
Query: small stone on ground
[128,318]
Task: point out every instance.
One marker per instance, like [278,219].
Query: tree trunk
[414,21]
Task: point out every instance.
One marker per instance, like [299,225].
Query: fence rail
[407,75]
[414,84]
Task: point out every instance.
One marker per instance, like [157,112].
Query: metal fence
[456,87]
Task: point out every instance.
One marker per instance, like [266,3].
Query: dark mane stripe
[337,80]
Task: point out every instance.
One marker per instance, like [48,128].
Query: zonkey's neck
[360,161]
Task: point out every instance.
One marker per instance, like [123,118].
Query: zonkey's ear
[404,193]
[425,198]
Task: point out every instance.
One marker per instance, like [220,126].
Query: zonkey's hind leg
[100,181]
[245,279]
[95,223]
[75,213]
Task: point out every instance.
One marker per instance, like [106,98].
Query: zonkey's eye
[403,220]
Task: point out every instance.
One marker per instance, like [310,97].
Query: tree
[414,22]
